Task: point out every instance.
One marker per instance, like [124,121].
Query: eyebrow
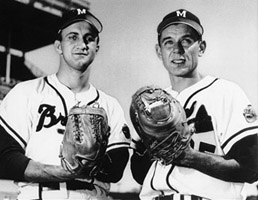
[166,38]
[71,33]
[85,35]
[183,37]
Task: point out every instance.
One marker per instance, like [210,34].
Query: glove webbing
[171,151]
[96,122]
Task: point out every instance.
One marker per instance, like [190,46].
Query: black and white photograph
[129,99]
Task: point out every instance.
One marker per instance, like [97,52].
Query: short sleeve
[120,133]
[238,118]
[14,114]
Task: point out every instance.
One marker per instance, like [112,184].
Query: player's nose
[83,45]
[178,48]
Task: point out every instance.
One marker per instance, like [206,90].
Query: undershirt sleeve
[245,152]
[114,164]
[12,158]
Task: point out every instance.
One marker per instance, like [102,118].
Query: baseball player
[34,113]
[223,152]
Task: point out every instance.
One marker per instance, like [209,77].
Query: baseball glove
[85,139]
[160,121]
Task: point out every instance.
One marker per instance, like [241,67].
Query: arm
[12,158]
[239,165]
[16,166]
[114,164]
[117,154]
[140,162]
[37,172]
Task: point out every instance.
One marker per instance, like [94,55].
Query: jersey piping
[198,92]
[118,143]
[167,178]
[14,132]
[151,182]
[236,134]
[61,97]
[94,100]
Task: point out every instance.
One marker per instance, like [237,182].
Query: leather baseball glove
[85,139]
[160,121]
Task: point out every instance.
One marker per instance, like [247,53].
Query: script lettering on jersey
[202,120]
[202,123]
[48,117]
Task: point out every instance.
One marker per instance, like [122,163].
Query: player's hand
[38,172]
[85,140]
[186,156]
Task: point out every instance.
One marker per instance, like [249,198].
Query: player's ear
[97,48]
[58,47]
[158,51]
[202,48]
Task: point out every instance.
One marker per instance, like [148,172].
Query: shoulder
[27,87]
[24,91]
[227,83]
[109,99]
[30,85]
[226,86]
[110,104]
[229,93]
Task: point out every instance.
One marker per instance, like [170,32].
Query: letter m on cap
[182,13]
[81,11]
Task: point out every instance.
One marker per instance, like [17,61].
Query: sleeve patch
[250,114]
[126,131]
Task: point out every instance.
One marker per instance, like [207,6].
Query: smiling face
[179,48]
[78,46]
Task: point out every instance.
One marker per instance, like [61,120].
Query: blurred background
[127,59]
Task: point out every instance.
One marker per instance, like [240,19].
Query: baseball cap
[80,14]
[183,17]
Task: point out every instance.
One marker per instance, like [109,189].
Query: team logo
[126,131]
[81,11]
[48,117]
[250,114]
[182,14]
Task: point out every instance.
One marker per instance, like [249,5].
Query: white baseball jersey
[34,113]
[222,115]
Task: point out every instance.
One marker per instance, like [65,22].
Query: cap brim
[91,20]
[188,22]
